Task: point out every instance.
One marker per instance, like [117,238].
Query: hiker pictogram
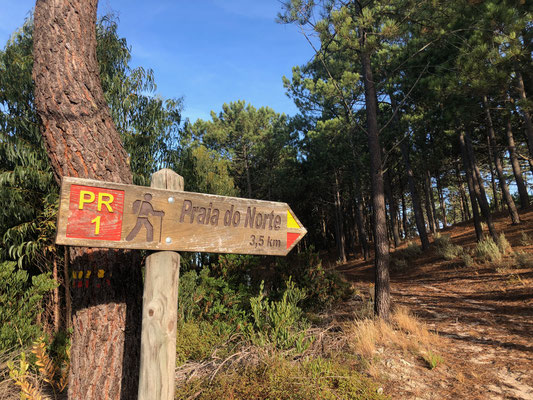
[144,209]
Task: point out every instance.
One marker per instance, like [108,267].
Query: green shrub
[398,264]
[445,247]
[487,250]
[197,340]
[433,360]
[280,379]
[412,250]
[20,303]
[441,240]
[323,287]
[204,297]
[523,260]
[280,323]
[503,244]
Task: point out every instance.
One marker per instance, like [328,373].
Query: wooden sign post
[164,217]
[160,312]
[103,214]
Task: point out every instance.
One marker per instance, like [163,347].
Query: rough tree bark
[81,141]
[381,241]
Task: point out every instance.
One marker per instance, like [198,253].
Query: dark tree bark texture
[381,240]
[81,141]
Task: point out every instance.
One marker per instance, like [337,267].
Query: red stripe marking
[291,238]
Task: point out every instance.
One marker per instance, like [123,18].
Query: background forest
[414,116]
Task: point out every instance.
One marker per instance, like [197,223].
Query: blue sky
[208,51]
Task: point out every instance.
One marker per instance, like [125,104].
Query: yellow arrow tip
[291,222]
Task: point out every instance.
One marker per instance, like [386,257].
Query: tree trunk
[479,188]
[442,203]
[404,217]
[429,208]
[499,168]
[381,241]
[471,190]
[415,199]
[68,298]
[339,226]
[247,173]
[360,220]
[81,141]
[527,117]
[492,178]
[55,302]
[393,210]
[464,200]
[517,171]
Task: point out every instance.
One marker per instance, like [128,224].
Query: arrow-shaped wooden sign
[103,214]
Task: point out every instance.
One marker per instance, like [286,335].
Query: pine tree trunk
[381,241]
[404,217]
[415,199]
[339,226]
[527,117]
[479,188]
[513,213]
[492,178]
[68,297]
[442,203]
[247,173]
[393,210]
[429,203]
[471,190]
[517,171]
[360,220]
[56,305]
[359,215]
[432,202]
[81,141]
[462,193]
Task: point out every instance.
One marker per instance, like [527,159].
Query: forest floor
[482,313]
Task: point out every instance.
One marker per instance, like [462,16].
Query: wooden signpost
[102,214]
[163,217]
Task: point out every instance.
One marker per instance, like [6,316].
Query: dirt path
[484,314]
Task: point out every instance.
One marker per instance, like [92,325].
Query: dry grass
[405,332]
[364,335]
